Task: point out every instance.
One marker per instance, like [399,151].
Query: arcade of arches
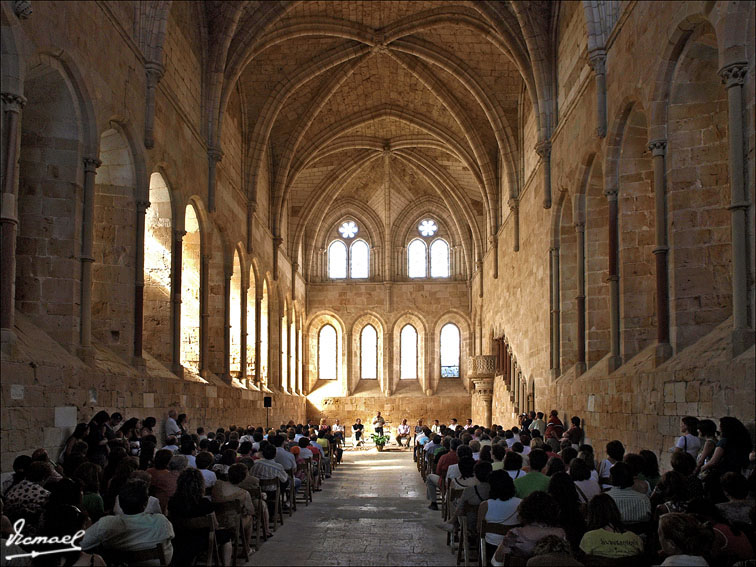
[435,209]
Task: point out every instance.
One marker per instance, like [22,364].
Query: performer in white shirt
[435,428]
[403,432]
[338,431]
[378,422]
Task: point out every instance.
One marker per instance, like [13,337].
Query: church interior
[432,209]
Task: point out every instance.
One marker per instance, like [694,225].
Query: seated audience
[683,540]
[586,486]
[163,483]
[27,498]
[552,550]
[500,508]
[634,507]
[534,480]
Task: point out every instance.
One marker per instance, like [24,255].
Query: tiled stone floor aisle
[371,512]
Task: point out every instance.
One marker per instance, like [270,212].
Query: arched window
[337,260]
[235,318]
[251,300]
[450,345]
[369,353]
[359,259]
[408,369]
[293,352]
[345,259]
[417,259]
[439,259]
[327,353]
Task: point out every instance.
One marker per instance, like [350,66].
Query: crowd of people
[537,494]
[125,486]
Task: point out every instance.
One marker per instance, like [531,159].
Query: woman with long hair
[562,488]
[708,430]
[730,455]
[132,434]
[89,476]
[80,433]
[539,516]
[606,535]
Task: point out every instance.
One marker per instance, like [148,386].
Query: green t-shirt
[611,544]
[531,482]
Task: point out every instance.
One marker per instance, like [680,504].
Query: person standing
[378,423]
[171,427]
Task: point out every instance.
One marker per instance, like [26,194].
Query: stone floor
[372,511]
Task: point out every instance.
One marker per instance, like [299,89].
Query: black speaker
[267,402]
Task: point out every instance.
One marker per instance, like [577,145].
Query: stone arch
[193,286]
[369,318]
[564,283]
[114,244]
[236,302]
[462,322]
[265,303]
[54,141]
[314,325]
[629,165]
[12,70]
[253,291]
[423,378]
[698,191]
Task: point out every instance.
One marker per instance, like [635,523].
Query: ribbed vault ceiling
[386,103]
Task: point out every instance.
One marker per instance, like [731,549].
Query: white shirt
[689,443]
[210,478]
[135,532]
[501,512]
[191,461]
[452,472]
[403,429]
[589,488]
[516,474]
[153,507]
[171,427]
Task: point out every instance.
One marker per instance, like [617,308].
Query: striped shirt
[633,506]
[264,469]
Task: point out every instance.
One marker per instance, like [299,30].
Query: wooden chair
[272,487]
[305,489]
[489,528]
[258,529]
[231,511]
[207,524]
[454,494]
[292,493]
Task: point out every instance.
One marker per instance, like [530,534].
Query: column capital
[543,149]
[22,9]
[658,147]
[597,61]
[734,74]
[178,234]
[579,226]
[214,153]
[154,71]
[91,164]
[13,102]
[277,241]
[142,206]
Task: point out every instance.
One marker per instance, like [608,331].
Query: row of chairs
[243,542]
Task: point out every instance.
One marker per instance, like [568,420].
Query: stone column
[493,241]
[204,365]
[482,369]
[13,104]
[87,243]
[258,340]
[733,77]
[578,213]
[228,273]
[251,209]
[176,265]
[243,334]
[663,347]
[514,207]
[214,155]
[543,149]
[277,241]
[153,72]
[615,359]
[555,311]
[142,207]
[597,61]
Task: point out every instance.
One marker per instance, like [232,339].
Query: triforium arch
[356,352]
[417,321]
[629,189]
[57,113]
[315,325]
[462,322]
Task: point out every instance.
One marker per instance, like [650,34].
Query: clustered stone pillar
[514,208]
[597,60]
[13,104]
[482,369]
[214,155]
[733,77]
[615,359]
[243,324]
[153,72]
[661,250]
[580,298]
[87,244]
[258,340]
[555,311]
[543,149]
[142,207]
[176,260]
